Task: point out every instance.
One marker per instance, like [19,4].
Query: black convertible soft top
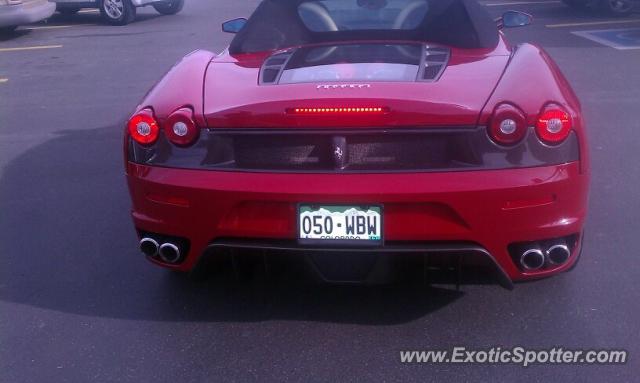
[277,24]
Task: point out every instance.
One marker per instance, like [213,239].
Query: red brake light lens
[143,127]
[508,125]
[553,125]
[180,128]
[339,110]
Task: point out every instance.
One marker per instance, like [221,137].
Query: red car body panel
[532,80]
[185,80]
[233,98]
[493,208]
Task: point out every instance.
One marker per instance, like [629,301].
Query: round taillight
[143,127]
[180,128]
[508,125]
[553,125]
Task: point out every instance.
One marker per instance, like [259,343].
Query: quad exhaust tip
[558,254]
[532,259]
[149,247]
[169,253]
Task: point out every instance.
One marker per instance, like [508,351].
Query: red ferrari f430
[355,134]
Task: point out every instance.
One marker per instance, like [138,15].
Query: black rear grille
[279,152]
[363,150]
[346,152]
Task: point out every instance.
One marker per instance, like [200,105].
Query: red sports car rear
[351,134]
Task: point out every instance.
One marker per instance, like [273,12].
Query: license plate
[340,224]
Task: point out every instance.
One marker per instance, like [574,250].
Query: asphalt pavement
[79,303]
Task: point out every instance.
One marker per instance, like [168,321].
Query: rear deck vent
[437,57]
[273,67]
[270,75]
[432,71]
[276,61]
[434,63]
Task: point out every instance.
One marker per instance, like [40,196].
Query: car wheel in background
[169,7]
[117,12]
[616,7]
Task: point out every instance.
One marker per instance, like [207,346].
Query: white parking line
[603,22]
[29,48]
[53,27]
[3,80]
[521,3]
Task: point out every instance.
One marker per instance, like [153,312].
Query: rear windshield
[337,15]
[279,24]
[348,62]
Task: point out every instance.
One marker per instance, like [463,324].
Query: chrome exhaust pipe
[532,259]
[169,252]
[558,254]
[149,247]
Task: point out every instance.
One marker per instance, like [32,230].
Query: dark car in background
[608,7]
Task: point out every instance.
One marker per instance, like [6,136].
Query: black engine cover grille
[368,150]
[340,152]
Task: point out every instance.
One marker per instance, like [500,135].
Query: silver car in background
[17,12]
[119,12]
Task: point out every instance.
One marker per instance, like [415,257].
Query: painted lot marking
[29,48]
[603,22]
[521,3]
[53,27]
[621,39]
[3,80]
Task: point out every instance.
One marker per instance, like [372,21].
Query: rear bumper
[25,13]
[489,209]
